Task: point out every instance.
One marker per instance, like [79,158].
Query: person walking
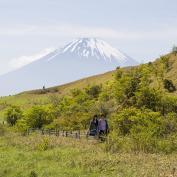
[102,126]
[93,128]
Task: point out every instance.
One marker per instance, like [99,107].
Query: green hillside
[30,98]
[40,96]
[139,103]
[134,99]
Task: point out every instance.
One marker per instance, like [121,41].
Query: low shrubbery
[12,115]
[143,130]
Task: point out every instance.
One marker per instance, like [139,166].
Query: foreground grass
[39,156]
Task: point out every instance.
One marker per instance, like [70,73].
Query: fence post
[66,134]
[76,136]
[58,132]
[49,132]
[79,134]
[42,131]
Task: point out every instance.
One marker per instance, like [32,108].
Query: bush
[38,116]
[13,114]
[168,85]
[142,127]
[148,98]
[93,91]
[33,174]
[44,145]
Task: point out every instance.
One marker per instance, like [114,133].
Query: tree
[148,98]
[38,116]
[13,114]
[138,129]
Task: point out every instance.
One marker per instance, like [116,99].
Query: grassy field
[44,156]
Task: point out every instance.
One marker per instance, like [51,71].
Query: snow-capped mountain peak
[81,58]
[92,47]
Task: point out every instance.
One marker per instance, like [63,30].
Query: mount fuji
[80,58]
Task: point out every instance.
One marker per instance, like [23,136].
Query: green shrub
[142,127]
[148,98]
[168,85]
[38,116]
[22,126]
[44,145]
[13,114]
[93,91]
[33,174]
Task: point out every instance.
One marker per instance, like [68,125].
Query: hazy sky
[143,29]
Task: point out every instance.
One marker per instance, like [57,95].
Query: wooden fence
[73,134]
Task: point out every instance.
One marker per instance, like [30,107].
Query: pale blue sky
[143,29]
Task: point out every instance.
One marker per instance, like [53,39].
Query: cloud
[24,60]
[75,31]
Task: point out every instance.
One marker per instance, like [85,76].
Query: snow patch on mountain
[91,47]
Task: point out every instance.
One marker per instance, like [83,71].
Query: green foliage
[44,145]
[168,85]
[148,98]
[22,125]
[13,114]
[144,130]
[77,121]
[168,104]
[93,91]
[128,85]
[142,113]
[2,130]
[38,116]
[33,174]
[118,74]
[165,63]
[133,120]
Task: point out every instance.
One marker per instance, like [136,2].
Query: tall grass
[50,156]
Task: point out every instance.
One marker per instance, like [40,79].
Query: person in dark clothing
[93,129]
[103,126]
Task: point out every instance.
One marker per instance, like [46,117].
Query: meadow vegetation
[51,156]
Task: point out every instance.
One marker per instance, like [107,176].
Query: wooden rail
[73,134]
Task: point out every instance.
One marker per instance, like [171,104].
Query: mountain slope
[80,58]
[34,97]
